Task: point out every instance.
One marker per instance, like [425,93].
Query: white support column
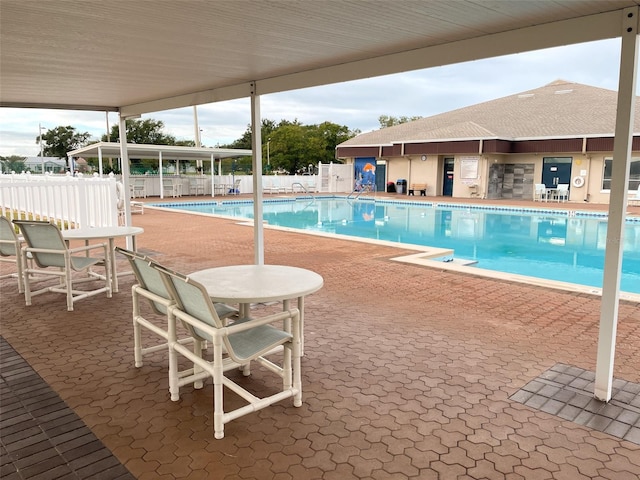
[213,177]
[617,206]
[124,160]
[160,174]
[100,166]
[256,146]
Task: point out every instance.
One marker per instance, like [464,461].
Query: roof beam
[60,106]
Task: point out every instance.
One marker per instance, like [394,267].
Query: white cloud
[357,104]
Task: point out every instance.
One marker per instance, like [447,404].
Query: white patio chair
[171,187]
[268,187]
[10,250]
[150,287]
[234,346]
[562,192]
[52,256]
[540,192]
[219,189]
[235,188]
[196,186]
[138,188]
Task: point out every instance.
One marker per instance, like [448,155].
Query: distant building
[561,133]
[51,164]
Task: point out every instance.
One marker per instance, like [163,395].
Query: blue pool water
[539,243]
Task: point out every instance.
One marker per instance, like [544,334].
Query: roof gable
[557,110]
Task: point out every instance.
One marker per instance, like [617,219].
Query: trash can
[391,187]
[401,186]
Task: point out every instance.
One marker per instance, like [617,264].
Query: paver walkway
[409,372]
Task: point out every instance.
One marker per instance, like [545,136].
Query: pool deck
[409,372]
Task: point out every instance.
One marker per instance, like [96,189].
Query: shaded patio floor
[409,371]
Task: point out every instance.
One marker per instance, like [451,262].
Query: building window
[634,174]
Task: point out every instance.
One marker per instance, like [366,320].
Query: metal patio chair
[234,346]
[52,256]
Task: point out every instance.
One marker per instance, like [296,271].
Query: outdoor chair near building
[10,244]
[235,188]
[171,187]
[196,186]
[562,192]
[540,192]
[138,188]
[269,187]
[234,346]
[150,287]
[52,257]
[310,186]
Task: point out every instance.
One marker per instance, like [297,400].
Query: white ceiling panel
[147,55]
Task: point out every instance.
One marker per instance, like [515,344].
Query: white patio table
[246,284]
[109,233]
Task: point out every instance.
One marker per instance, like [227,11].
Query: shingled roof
[560,109]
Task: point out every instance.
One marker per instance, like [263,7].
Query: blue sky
[357,104]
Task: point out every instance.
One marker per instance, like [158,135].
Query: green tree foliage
[14,163]
[56,142]
[293,146]
[389,121]
[147,131]
[244,142]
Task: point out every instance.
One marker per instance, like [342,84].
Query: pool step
[463,262]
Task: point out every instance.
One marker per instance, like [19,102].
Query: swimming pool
[543,243]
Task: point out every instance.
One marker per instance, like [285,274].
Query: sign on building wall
[469,168]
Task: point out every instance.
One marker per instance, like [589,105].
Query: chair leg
[25,279]
[137,331]
[218,392]
[197,350]
[296,364]
[68,283]
[174,387]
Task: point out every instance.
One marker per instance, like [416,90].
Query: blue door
[556,170]
[381,175]
[447,184]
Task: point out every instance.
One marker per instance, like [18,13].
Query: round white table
[109,233]
[246,284]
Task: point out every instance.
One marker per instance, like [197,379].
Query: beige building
[561,133]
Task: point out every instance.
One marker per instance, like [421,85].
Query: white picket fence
[74,202]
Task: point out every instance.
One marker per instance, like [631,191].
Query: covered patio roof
[167,152]
[125,56]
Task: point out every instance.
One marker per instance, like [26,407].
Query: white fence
[72,201]
[288,183]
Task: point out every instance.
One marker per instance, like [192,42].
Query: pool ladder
[302,187]
[366,188]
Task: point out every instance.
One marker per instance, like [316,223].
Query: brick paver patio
[409,371]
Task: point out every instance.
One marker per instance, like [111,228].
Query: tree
[293,146]
[14,163]
[60,140]
[244,142]
[333,135]
[389,121]
[147,131]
